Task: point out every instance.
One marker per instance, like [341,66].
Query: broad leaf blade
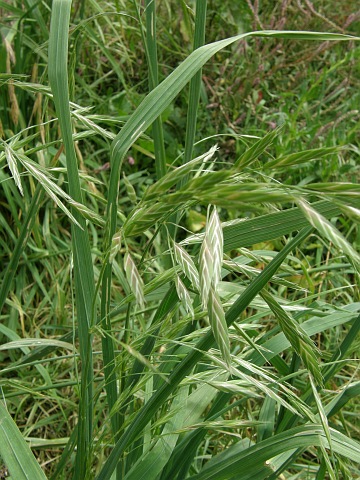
[15,452]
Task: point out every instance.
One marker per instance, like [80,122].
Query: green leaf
[15,452]
[245,233]
[37,342]
[83,268]
[250,461]
[185,410]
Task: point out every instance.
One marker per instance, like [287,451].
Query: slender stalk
[195,83]
[194,97]
[151,51]
[83,269]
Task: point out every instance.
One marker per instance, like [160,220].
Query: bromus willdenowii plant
[192,355]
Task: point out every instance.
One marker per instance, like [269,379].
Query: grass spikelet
[53,190]
[87,213]
[14,106]
[175,176]
[135,281]
[130,190]
[211,256]
[215,234]
[184,296]
[206,270]
[218,324]
[144,217]
[257,149]
[330,232]
[10,158]
[298,338]
[115,245]
[187,264]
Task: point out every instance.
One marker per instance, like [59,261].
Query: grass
[179,232]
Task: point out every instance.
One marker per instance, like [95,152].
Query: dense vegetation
[179,239]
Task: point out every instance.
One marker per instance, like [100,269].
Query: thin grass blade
[195,83]
[83,269]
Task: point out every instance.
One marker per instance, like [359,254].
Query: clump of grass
[138,348]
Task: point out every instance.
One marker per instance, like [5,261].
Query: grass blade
[15,452]
[195,83]
[83,269]
[267,227]
[151,52]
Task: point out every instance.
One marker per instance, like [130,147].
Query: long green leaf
[15,452]
[195,83]
[151,53]
[267,227]
[349,392]
[83,269]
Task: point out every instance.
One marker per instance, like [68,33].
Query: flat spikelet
[134,279]
[211,256]
[187,265]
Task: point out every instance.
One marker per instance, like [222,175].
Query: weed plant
[179,240]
